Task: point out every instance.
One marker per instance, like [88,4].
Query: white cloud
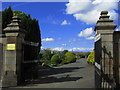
[64,44]
[90,38]
[87,32]
[47,39]
[88,11]
[65,23]
[42,48]
[72,40]
[117,29]
[81,49]
[58,49]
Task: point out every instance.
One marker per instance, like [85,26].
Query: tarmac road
[74,75]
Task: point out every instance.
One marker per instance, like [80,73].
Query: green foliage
[87,54]
[46,54]
[27,23]
[61,56]
[55,59]
[69,57]
[7,15]
[80,54]
[44,62]
[65,51]
[20,14]
[39,56]
[90,58]
[32,28]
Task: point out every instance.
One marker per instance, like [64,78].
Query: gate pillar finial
[105,24]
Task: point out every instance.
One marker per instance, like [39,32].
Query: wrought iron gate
[98,57]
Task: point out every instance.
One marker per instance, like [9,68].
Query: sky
[67,25]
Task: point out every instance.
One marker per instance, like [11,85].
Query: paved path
[74,75]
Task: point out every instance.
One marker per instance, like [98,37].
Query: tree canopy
[91,57]
[7,15]
[27,23]
[70,57]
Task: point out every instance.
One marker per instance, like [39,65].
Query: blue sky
[66,25]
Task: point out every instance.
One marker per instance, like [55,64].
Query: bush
[61,56]
[69,58]
[87,54]
[46,54]
[55,59]
[90,58]
[44,62]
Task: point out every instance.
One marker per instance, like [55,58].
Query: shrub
[44,62]
[55,59]
[61,56]
[91,58]
[65,51]
[46,54]
[69,58]
[87,54]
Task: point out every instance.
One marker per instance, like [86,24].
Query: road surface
[74,75]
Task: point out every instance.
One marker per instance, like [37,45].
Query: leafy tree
[46,55]
[33,33]
[65,51]
[20,14]
[69,57]
[7,15]
[55,59]
[61,56]
[80,54]
[30,25]
[87,54]
[91,57]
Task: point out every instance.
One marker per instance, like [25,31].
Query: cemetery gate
[107,54]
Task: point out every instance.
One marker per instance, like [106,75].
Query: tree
[30,25]
[55,59]
[80,54]
[7,15]
[46,54]
[33,34]
[69,57]
[91,58]
[65,51]
[61,56]
[20,14]
[87,54]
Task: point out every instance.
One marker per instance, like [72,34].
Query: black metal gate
[98,57]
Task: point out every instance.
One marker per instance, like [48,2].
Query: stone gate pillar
[105,28]
[13,53]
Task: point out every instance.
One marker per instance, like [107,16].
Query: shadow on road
[45,72]
[52,71]
[53,79]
